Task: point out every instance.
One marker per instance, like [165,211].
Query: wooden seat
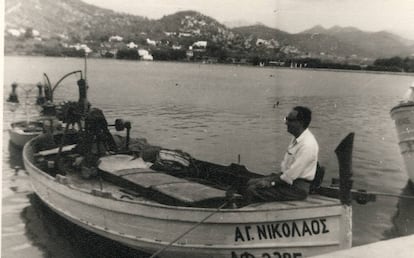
[54,151]
[164,187]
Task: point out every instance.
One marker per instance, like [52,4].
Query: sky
[292,16]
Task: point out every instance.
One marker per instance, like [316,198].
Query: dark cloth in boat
[46,141]
[279,191]
[141,146]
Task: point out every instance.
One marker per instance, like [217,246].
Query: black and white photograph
[207,129]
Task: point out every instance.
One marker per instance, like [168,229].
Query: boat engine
[95,139]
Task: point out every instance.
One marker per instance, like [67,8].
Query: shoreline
[231,64]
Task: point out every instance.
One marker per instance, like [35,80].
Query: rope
[403,196]
[188,231]
[225,203]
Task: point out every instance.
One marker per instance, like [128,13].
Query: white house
[132,45]
[201,44]
[176,47]
[142,52]
[289,50]
[81,46]
[14,32]
[145,55]
[151,42]
[147,58]
[115,38]
[184,34]
[261,42]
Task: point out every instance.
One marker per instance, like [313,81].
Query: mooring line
[404,196]
[188,231]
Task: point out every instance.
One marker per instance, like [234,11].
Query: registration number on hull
[268,255]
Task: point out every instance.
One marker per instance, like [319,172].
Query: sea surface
[216,113]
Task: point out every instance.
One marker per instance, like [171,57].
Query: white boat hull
[403,116]
[19,138]
[279,229]
[22,132]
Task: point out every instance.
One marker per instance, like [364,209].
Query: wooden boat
[403,116]
[23,131]
[121,189]
[148,209]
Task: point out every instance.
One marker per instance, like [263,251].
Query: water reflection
[16,162]
[65,239]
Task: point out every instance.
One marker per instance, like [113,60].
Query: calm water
[215,113]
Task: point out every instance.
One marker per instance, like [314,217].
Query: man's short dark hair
[304,115]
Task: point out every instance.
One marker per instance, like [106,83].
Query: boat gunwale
[402,106]
[23,133]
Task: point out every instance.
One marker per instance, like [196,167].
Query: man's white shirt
[301,158]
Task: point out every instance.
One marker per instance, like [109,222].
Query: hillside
[66,22]
[263,32]
[337,41]
[370,43]
[69,17]
[180,22]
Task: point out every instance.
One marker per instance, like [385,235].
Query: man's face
[293,124]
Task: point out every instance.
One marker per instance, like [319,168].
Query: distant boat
[403,116]
[22,131]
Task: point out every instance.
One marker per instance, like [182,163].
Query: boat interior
[28,127]
[97,160]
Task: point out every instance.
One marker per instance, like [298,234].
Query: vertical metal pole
[344,155]
[26,111]
[85,65]
[85,103]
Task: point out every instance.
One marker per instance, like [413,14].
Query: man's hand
[264,182]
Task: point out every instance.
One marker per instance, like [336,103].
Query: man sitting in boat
[298,166]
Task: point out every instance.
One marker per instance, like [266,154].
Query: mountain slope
[307,42]
[337,41]
[51,17]
[373,44]
[263,32]
[76,21]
